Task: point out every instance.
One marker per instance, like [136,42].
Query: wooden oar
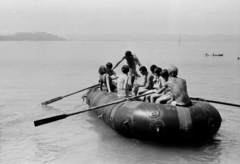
[59,117]
[61,97]
[217,102]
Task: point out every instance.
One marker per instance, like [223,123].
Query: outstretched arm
[118,63]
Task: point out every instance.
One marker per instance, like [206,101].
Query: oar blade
[52,100]
[50,119]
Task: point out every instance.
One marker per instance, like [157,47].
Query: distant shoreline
[31,36]
[152,37]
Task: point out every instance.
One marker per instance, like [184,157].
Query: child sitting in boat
[148,81]
[177,87]
[165,96]
[110,71]
[105,79]
[122,84]
[157,79]
[152,68]
[158,84]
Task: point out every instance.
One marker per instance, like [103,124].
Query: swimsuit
[120,85]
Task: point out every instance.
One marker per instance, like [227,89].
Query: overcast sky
[121,16]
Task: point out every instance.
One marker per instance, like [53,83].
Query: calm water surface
[33,72]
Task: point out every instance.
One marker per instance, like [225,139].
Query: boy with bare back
[177,87]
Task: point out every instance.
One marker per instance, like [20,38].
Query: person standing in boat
[132,61]
[122,84]
[105,79]
[110,71]
[147,84]
[177,87]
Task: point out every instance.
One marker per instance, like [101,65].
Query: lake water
[33,72]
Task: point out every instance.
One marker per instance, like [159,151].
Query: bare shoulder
[135,56]
[183,80]
[180,81]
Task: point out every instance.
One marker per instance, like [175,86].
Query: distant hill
[31,36]
[152,37]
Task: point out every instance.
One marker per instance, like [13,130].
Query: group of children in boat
[164,85]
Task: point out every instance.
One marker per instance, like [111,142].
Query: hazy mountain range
[43,36]
[31,36]
[152,37]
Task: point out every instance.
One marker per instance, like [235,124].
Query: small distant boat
[214,54]
[217,54]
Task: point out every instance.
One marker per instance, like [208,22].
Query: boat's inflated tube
[157,122]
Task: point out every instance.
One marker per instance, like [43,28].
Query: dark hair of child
[158,70]
[109,65]
[102,70]
[128,53]
[125,69]
[164,73]
[143,68]
[153,67]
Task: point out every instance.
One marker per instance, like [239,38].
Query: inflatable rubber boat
[156,122]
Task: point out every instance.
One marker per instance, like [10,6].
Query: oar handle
[52,100]
[80,91]
[61,97]
[224,103]
[59,117]
[50,119]
[217,102]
